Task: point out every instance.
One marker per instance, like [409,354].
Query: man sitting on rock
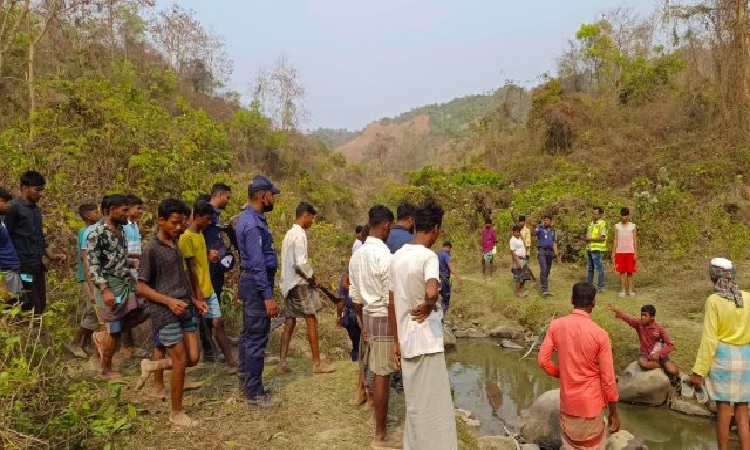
[656,344]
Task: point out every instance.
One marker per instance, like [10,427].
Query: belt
[545,248]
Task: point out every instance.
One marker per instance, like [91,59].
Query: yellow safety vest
[594,232]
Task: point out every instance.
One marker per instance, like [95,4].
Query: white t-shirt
[625,242]
[411,268]
[518,247]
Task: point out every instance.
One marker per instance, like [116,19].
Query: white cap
[722,263]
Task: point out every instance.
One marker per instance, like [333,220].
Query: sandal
[97,338]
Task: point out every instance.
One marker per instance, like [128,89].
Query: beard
[267,207]
[121,222]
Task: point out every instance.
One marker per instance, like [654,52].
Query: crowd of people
[391,301]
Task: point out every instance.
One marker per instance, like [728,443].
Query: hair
[170,206]
[32,178]
[86,208]
[584,294]
[516,228]
[365,231]
[649,309]
[522,218]
[5,195]
[220,188]
[624,212]
[447,244]
[203,198]
[599,208]
[105,203]
[547,216]
[405,211]
[358,229]
[304,207]
[254,195]
[378,215]
[487,221]
[117,200]
[134,200]
[202,208]
[428,215]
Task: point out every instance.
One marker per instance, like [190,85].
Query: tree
[281,94]
[12,15]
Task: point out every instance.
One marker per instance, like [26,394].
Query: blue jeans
[546,256]
[596,263]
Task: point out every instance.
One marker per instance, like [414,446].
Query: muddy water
[493,384]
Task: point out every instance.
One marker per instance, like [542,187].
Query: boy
[133,238]
[446,269]
[656,345]
[10,278]
[487,244]
[89,322]
[624,254]
[193,247]
[415,271]
[518,261]
[162,281]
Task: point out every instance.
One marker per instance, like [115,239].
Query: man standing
[446,270]
[430,417]
[596,245]
[358,240]
[298,286]
[10,279]
[526,238]
[624,254]
[372,293]
[487,243]
[401,232]
[24,224]
[518,262]
[546,245]
[724,352]
[221,259]
[586,372]
[134,239]
[258,264]
[114,292]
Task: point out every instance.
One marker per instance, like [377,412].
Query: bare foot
[283,368]
[147,367]
[323,368]
[190,385]
[111,376]
[160,393]
[387,443]
[181,419]
[77,351]
[126,352]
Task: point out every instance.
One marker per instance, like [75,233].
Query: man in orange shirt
[586,372]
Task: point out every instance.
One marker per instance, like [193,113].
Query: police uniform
[258,264]
[546,238]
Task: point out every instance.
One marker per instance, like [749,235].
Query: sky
[364,60]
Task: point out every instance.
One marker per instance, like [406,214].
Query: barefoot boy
[162,281]
[656,345]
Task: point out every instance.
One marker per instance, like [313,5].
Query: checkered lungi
[729,377]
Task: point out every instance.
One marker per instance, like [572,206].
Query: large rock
[690,407]
[471,334]
[510,345]
[646,387]
[449,340]
[622,440]
[542,421]
[506,332]
[496,443]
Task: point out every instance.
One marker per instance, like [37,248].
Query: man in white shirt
[430,418]
[297,286]
[518,261]
[359,240]
[372,294]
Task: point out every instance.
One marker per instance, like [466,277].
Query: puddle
[493,384]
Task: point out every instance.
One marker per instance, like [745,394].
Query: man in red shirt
[586,372]
[656,345]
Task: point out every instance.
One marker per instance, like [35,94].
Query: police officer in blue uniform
[258,264]
[547,252]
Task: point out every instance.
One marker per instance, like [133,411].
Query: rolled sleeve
[432,268]
[544,358]
[257,264]
[607,368]
[709,341]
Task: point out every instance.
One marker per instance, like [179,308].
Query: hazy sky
[363,60]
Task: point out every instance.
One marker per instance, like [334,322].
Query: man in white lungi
[415,273]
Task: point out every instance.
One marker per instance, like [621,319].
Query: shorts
[488,256]
[625,263]
[115,326]
[662,361]
[214,307]
[302,301]
[171,334]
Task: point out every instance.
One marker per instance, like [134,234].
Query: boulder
[449,339]
[506,332]
[622,440]
[471,334]
[496,443]
[464,414]
[510,345]
[542,421]
[530,447]
[646,387]
[690,407]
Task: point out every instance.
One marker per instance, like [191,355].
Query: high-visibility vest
[594,231]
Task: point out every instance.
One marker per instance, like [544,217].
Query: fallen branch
[539,338]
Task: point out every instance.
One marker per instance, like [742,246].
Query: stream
[492,383]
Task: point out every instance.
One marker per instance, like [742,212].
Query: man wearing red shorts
[624,253]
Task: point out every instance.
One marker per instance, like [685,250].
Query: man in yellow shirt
[526,238]
[194,251]
[724,352]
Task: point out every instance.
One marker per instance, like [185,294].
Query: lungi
[430,421]
[729,376]
[583,433]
